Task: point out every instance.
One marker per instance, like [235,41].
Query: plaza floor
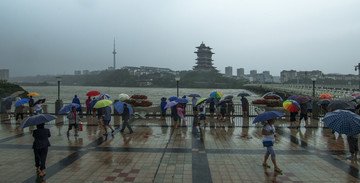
[156,152]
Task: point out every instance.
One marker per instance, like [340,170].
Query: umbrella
[200,101]
[93,102]
[356,95]
[273,94]
[67,108]
[292,97]
[42,100]
[229,97]
[33,94]
[324,101]
[339,104]
[119,107]
[182,100]
[194,95]
[243,94]
[291,105]
[347,98]
[36,120]
[123,96]
[105,96]
[102,103]
[21,102]
[216,94]
[170,104]
[325,96]
[172,98]
[343,122]
[267,116]
[92,93]
[302,99]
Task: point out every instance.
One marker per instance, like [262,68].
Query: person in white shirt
[202,111]
[269,135]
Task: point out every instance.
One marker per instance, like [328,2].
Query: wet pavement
[228,151]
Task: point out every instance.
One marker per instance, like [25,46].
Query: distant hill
[6,89]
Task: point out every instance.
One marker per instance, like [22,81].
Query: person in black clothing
[41,143]
[31,105]
[212,108]
[125,117]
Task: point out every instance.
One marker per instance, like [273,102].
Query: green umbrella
[102,103]
[200,100]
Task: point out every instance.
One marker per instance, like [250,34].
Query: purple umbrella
[170,104]
[302,99]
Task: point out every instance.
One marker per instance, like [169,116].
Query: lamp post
[357,67]
[177,79]
[313,87]
[58,103]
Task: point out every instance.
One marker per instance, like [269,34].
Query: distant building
[86,72]
[228,71]
[287,75]
[144,70]
[253,73]
[77,72]
[204,60]
[4,74]
[309,74]
[240,72]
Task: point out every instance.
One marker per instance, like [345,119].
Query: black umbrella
[324,101]
[302,99]
[340,104]
[42,100]
[229,97]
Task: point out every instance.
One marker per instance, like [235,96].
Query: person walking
[309,108]
[212,108]
[162,107]
[194,100]
[88,106]
[125,117]
[174,115]
[74,121]
[76,100]
[31,105]
[107,119]
[38,107]
[303,114]
[231,109]
[202,111]
[181,112]
[222,106]
[40,146]
[245,106]
[269,135]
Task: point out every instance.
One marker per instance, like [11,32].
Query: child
[74,120]
[41,143]
[125,117]
[353,146]
[269,135]
[202,111]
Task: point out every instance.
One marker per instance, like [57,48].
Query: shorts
[106,122]
[202,117]
[353,144]
[194,108]
[302,115]
[73,125]
[176,117]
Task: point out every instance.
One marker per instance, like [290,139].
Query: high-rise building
[240,72]
[4,74]
[253,72]
[204,60]
[228,71]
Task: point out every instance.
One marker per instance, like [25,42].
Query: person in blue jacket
[162,106]
[76,100]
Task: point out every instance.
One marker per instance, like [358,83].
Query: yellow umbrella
[32,94]
[200,101]
[102,103]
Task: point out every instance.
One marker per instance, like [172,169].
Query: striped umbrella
[216,94]
[343,122]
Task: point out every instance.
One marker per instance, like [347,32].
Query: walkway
[230,152]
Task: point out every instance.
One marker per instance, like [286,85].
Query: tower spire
[114,52]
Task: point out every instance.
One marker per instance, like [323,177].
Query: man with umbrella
[245,106]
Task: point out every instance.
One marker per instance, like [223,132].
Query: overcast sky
[58,37]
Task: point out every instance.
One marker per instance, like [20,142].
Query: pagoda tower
[204,61]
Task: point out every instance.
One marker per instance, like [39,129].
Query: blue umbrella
[172,98]
[93,102]
[194,95]
[67,108]
[243,94]
[343,122]
[119,107]
[182,100]
[170,104]
[21,102]
[267,116]
[36,120]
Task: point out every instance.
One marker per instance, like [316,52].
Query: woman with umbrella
[269,135]
[41,143]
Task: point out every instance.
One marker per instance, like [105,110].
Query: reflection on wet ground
[228,151]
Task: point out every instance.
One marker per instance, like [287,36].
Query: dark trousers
[88,112]
[19,114]
[353,144]
[40,157]
[126,124]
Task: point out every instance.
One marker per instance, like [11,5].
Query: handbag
[267,143]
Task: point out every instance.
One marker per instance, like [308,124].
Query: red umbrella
[92,93]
